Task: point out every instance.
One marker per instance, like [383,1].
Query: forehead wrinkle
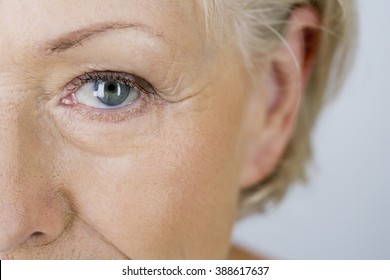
[75,38]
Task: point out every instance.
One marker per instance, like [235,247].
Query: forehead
[25,22]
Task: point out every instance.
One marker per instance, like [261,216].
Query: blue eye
[106,94]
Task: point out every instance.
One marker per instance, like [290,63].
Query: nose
[33,210]
[29,219]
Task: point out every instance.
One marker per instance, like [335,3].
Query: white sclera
[87,95]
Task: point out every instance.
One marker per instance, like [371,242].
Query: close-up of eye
[106,90]
[106,94]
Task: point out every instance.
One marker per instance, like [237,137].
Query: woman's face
[121,131]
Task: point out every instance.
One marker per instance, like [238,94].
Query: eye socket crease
[75,38]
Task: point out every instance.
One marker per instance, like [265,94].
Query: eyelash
[136,108]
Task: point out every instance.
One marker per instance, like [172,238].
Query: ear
[284,82]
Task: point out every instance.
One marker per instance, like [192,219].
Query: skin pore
[158,178]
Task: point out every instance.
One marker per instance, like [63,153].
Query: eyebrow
[75,38]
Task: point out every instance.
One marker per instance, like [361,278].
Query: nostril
[10,241]
[38,238]
[37,234]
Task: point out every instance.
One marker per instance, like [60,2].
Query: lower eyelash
[132,110]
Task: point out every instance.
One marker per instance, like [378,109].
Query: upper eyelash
[132,81]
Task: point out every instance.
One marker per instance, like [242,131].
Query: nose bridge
[15,205]
[9,141]
[15,208]
[15,128]
[19,143]
[30,206]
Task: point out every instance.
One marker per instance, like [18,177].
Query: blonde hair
[254,23]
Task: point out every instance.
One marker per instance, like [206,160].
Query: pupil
[111,87]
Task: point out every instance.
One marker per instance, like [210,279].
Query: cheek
[175,197]
[168,201]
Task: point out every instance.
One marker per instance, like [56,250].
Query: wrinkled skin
[156,179]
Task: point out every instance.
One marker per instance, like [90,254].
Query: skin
[157,179]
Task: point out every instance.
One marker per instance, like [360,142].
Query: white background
[344,211]
[278,270]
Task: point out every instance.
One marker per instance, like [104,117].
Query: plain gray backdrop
[343,212]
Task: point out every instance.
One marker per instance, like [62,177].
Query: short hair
[256,27]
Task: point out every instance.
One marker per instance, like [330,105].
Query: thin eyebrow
[75,38]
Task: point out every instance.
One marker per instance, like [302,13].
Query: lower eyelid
[133,110]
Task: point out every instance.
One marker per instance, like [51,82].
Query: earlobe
[286,77]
